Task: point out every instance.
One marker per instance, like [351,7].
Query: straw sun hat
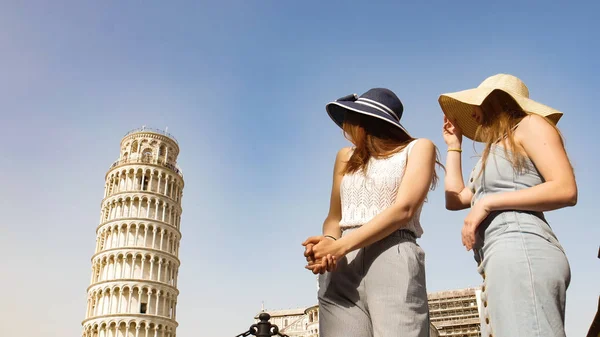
[458,106]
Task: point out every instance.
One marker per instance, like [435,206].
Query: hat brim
[458,107]
[337,111]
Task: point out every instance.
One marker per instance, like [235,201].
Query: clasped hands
[322,253]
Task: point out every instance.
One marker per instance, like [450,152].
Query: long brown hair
[373,138]
[500,117]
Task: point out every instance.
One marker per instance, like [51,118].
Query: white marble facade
[133,286]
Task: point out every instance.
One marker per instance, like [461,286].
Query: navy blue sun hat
[377,102]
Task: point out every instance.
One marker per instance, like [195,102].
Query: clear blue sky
[243,85]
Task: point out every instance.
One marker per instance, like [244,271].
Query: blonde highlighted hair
[500,117]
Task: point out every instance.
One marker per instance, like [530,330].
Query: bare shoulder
[533,123]
[423,147]
[534,127]
[344,154]
[341,159]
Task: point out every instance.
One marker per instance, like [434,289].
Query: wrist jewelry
[331,237]
[454,149]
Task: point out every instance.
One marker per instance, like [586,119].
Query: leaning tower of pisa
[133,287]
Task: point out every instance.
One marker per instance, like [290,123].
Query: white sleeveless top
[365,196]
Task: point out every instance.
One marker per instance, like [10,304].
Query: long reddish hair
[374,138]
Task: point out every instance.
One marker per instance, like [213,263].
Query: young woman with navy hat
[372,271]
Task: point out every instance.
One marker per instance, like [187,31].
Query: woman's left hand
[325,246]
[328,247]
[478,213]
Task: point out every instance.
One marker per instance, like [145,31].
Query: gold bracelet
[452,149]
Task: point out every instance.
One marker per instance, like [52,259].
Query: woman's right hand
[328,263]
[452,133]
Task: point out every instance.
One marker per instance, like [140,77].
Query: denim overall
[524,268]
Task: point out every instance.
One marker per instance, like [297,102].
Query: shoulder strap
[406,153]
[410,146]
[513,129]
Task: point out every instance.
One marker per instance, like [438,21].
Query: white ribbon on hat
[378,106]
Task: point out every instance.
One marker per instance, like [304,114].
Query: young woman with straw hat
[523,172]
[374,271]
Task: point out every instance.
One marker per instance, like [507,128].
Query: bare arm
[543,146]
[457,195]
[411,193]
[331,225]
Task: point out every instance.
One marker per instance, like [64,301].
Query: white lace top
[365,196]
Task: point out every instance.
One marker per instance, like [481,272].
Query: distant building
[296,322]
[456,312]
[452,313]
